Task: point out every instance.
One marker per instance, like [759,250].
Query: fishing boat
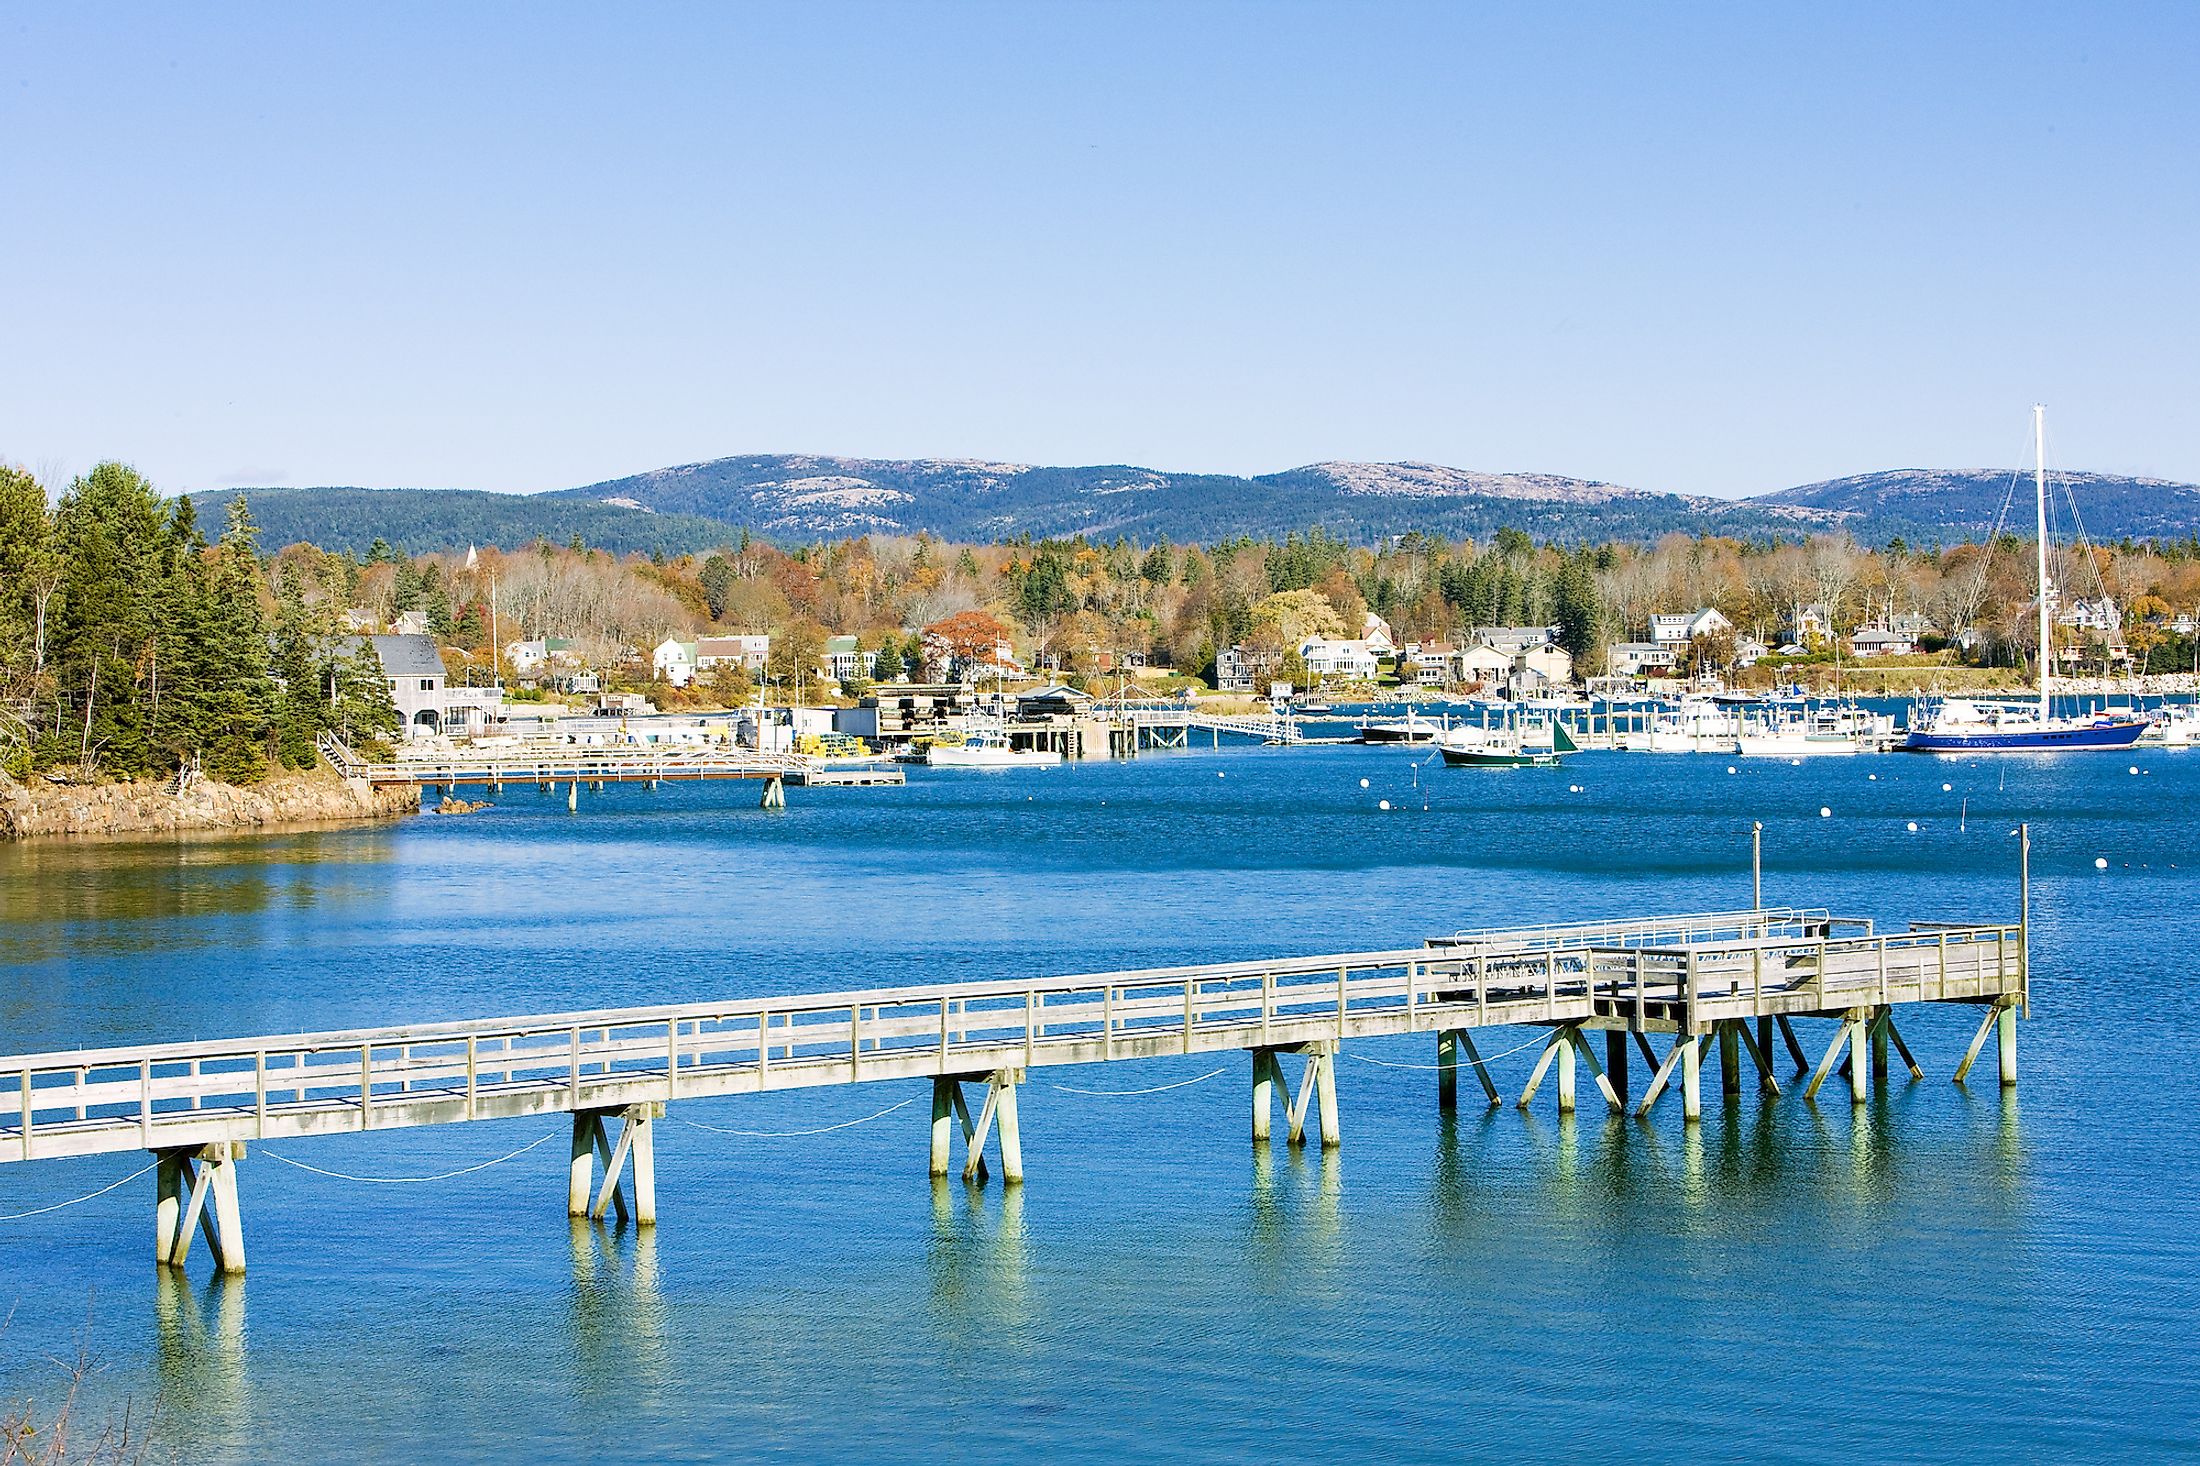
[1507,746]
[987,748]
[1977,725]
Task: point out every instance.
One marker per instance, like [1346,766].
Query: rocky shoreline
[321,796]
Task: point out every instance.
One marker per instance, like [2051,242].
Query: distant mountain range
[790,498]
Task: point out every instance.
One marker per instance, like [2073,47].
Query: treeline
[130,646]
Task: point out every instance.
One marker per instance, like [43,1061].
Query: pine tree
[109,531]
[300,710]
[233,727]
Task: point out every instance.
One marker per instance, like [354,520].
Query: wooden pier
[1731,980]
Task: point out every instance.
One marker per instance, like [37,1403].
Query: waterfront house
[674,660]
[1482,663]
[1513,640]
[1233,670]
[531,658]
[1682,629]
[750,651]
[1056,701]
[1330,657]
[426,702]
[1880,641]
[410,623]
[1643,658]
[841,660]
[1432,663]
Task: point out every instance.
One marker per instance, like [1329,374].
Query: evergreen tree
[300,712]
[233,726]
[109,530]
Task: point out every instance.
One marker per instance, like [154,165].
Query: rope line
[78,1201]
[412,1180]
[1486,1058]
[1127,1093]
[791,1134]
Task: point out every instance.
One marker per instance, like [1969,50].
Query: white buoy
[2135,768]
[1824,813]
[1382,804]
[2100,862]
[1795,763]
[1363,783]
[1873,777]
[1947,788]
[1730,768]
[1913,827]
[1573,788]
[1221,776]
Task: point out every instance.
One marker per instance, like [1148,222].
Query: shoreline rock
[319,796]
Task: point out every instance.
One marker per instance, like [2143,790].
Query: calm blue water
[1945,1275]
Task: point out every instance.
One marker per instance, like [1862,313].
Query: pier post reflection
[200,1354]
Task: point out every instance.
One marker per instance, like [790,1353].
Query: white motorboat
[987,749]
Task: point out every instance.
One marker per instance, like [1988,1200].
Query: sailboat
[1976,725]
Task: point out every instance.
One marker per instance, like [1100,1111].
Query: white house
[1642,658]
[1375,631]
[674,660]
[2092,615]
[1329,657]
[1433,663]
[841,661]
[1682,629]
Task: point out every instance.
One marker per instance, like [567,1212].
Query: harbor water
[1944,1274]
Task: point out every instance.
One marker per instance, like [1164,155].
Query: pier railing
[554,763]
[1669,975]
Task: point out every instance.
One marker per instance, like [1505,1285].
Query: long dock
[1727,981]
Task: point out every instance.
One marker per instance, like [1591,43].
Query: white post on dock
[1757,865]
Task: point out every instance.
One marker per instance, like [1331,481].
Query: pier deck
[1697,978]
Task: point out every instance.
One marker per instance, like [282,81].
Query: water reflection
[976,1255]
[199,1352]
[617,1312]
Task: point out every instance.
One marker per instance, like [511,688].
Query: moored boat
[1507,746]
[1972,725]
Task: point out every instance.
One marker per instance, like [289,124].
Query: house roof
[840,646]
[408,655]
[1058,692]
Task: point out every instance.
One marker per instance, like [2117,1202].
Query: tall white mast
[2039,489]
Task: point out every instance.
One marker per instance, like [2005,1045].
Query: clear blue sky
[1717,250]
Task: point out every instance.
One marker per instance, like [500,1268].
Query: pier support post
[1859,1075]
[195,1190]
[1880,1020]
[943,1119]
[775,793]
[1691,1077]
[1447,1069]
[999,1109]
[1730,1059]
[170,1185]
[1615,1062]
[1317,1087]
[580,1180]
[2006,1047]
[1565,1072]
[573,799]
[1323,1068]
